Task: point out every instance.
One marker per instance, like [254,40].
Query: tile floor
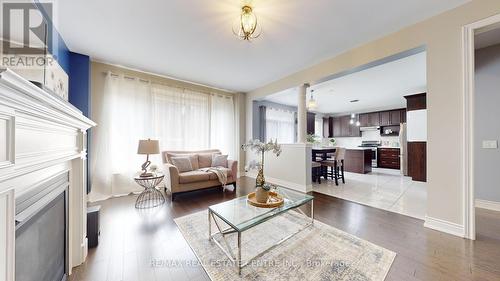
[382,188]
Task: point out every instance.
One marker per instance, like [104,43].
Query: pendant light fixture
[312,102]
[247,27]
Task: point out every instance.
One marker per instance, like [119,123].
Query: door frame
[469,32]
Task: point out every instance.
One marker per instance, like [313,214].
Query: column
[302,114]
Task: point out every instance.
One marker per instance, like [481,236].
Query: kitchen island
[356,160]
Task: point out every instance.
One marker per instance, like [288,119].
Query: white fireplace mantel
[41,136]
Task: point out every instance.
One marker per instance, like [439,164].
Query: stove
[374,145]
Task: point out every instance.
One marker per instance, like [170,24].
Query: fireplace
[42,231]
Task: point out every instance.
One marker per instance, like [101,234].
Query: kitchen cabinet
[388,158]
[345,126]
[417,161]
[363,120]
[395,117]
[327,128]
[385,118]
[310,123]
[337,127]
[358,161]
[374,119]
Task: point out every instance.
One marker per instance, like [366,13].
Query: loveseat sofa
[180,182]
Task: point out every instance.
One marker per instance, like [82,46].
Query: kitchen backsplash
[392,141]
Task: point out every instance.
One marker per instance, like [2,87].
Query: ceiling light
[312,102]
[353,115]
[351,121]
[358,123]
[246,27]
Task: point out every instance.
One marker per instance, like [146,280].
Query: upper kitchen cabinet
[310,123]
[369,119]
[327,127]
[385,118]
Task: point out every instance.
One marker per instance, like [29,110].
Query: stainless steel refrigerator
[403,151]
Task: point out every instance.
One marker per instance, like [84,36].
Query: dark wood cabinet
[364,119]
[395,117]
[403,115]
[385,118]
[327,133]
[374,119]
[345,126]
[355,132]
[337,127]
[416,102]
[388,158]
[310,123]
[417,161]
[358,161]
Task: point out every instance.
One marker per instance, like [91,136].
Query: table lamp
[147,147]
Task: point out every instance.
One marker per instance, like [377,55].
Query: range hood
[371,128]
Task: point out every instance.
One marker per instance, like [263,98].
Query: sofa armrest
[233,165]
[172,176]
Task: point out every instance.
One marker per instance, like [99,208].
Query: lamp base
[145,175]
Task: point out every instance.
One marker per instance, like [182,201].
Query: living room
[129,151]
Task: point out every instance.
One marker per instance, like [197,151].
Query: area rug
[319,252]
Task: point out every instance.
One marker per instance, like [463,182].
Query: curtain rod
[167,85]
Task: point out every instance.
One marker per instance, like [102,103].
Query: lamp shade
[148,147]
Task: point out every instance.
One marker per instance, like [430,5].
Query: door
[7,234]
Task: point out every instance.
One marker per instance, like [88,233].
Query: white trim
[488,205]
[10,235]
[444,226]
[283,183]
[468,203]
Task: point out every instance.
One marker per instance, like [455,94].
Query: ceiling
[192,40]
[488,38]
[377,88]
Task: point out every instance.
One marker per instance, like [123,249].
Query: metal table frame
[232,229]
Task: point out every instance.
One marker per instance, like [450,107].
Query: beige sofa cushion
[192,157]
[193,176]
[205,159]
[182,163]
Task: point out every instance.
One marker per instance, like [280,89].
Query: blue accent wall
[79,82]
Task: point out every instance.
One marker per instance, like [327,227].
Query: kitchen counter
[358,160]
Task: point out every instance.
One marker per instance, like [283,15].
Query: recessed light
[354,101]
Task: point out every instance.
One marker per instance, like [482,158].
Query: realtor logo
[24,28]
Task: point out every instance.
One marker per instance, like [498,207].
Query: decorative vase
[261,195]
[260,180]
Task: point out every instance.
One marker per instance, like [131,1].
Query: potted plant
[261,148]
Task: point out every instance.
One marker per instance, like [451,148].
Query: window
[280,125]
[318,127]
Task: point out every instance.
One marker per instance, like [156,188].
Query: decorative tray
[273,201]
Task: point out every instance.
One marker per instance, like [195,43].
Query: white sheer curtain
[123,118]
[280,125]
[222,125]
[133,109]
[181,118]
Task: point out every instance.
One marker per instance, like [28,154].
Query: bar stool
[316,171]
[336,166]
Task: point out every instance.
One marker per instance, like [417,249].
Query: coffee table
[240,216]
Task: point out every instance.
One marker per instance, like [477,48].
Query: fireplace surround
[43,161]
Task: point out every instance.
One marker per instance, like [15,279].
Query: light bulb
[358,124]
[351,121]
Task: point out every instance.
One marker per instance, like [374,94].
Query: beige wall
[97,75]
[442,35]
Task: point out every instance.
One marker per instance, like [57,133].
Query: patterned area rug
[320,252]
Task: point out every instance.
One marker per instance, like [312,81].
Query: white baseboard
[444,226]
[283,183]
[489,205]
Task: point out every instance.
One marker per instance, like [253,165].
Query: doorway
[481,69]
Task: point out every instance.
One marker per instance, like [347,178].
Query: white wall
[486,123]
[292,169]
[367,136]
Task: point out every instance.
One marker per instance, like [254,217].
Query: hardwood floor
[136,245]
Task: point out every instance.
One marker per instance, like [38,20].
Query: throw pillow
[219,160]
[205,159]
[182,163]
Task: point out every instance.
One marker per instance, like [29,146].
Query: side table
[150,197]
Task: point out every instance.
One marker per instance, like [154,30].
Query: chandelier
[247,28]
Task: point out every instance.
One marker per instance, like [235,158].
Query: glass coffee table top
[240,215]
